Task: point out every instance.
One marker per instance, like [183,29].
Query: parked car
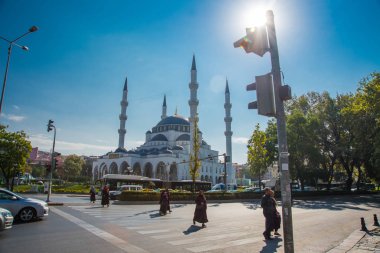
[252,189]
[221,187]
[6,219]
[24,209]
[115,194]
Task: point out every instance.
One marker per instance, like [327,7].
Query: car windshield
[10,193]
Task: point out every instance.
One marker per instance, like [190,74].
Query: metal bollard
[375,221]
[364,228]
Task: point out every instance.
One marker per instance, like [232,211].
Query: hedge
[186,196]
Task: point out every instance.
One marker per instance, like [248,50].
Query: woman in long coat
[164,203]
[277,216]
[106,196]
[269,210]
[92,194]
[200,214]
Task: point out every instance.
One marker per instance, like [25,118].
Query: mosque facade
[166,152]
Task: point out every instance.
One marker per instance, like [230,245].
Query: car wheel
[26,214]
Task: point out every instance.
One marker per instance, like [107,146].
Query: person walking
[269,211]
[164,202]
[277,218]
[106,196]
[200,214]
[92,194]
[168,193]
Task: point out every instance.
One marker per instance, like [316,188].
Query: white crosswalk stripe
[220,234]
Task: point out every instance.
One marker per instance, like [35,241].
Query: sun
[254,16]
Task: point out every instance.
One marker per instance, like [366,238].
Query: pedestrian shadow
[154,215]
[214,205]
[271,245]
[191,229]
[93,207]
[252,205]
[178,206]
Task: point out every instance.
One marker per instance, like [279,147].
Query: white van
[132,187]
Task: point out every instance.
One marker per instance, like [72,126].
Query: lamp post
[11,44]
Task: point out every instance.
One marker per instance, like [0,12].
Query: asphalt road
[319,225]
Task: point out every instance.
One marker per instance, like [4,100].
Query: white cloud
[218,83]
[12,117]
[44,142]
[240,140]
[16,107]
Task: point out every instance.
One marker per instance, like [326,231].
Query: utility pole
[50,127]
[282,141]
[270,94]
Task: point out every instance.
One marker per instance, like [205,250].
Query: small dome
[176,147]
[121,150]
[148,132]
[183,137]
[159,137]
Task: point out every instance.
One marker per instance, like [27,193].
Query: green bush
[71,188]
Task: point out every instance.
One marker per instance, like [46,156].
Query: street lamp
[11,43]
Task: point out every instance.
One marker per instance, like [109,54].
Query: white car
[22,208]
[6,219]
[115,194]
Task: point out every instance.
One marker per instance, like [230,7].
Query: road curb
[349,242]
[55,203]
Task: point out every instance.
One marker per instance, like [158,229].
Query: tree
[195,162]
[304,155]
[14,151]
[258,159]
[72,166]
[366,108]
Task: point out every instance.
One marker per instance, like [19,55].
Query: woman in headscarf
[92,194]
[106,196]
[164,203]
[200,214]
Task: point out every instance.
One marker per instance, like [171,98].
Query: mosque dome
[174,120]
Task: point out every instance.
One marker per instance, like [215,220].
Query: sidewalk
[360,242]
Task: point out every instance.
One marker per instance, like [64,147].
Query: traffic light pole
[282,142]
[52,167]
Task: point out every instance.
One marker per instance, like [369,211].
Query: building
[166,151]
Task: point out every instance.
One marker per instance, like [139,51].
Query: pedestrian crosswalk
[176,230]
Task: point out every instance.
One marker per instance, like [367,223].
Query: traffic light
[48,168]
[50,125]
[256,41]
[265,95]
[55,163]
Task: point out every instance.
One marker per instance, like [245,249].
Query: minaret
[193,102]
[228,134]
[164,108]
[123,114]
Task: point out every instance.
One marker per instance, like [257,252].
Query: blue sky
[79,58]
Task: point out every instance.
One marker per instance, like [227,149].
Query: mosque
[166,151]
